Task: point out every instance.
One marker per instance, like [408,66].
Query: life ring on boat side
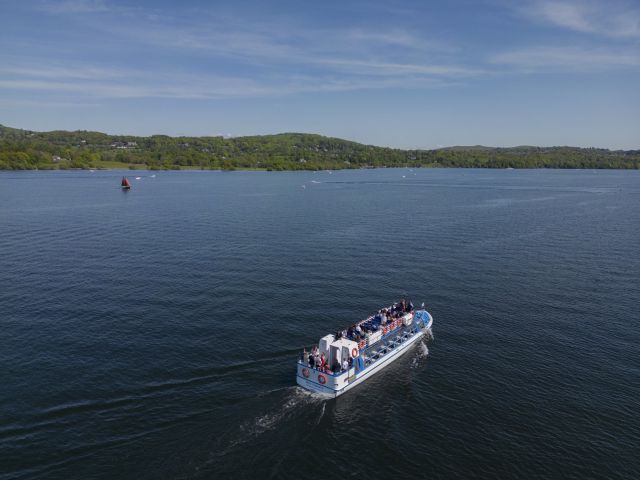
[305,372]
[354,352]
[322,379]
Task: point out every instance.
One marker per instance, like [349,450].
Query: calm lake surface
[154,333]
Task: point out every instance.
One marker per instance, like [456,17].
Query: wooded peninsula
[29,150]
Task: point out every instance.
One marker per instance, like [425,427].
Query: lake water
[154,333]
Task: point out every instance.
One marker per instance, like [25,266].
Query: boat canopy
[341,350]
[347,344]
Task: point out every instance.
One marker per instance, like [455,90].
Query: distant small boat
[125,184]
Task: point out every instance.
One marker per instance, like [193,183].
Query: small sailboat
[125,184]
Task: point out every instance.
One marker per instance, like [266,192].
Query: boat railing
[373,353]
[381,349]
[322,371]
[391,328]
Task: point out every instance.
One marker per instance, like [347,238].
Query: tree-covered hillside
[24,149]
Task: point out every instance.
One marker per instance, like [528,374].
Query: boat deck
[379,350]
[376,352]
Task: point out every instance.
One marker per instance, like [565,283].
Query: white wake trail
[297,398]
[423,352]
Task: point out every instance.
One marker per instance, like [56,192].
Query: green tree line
[25,149]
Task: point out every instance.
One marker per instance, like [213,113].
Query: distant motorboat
[125,184]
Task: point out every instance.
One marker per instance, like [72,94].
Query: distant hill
[26,149]
[460,148]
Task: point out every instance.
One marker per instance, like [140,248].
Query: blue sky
[410,74]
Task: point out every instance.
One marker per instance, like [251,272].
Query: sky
[406,74]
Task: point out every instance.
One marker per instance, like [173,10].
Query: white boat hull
[336,385]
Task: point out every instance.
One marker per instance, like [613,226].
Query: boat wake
[297,397]
[324,405]
[296,402]
[423,352]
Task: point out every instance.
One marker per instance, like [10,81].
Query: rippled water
[153,333]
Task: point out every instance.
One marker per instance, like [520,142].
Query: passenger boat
[125,184]
[352,356]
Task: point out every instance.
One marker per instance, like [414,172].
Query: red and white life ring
[322,379]
[305,372]
[354,352]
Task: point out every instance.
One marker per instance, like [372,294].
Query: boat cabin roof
[345,342]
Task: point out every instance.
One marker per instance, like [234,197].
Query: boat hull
[336,385]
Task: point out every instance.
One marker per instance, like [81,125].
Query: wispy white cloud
[233,57]
[191,87]
[389,37]
[609,18]
[42,70]
[242,38]
[74,6]
[26,103]
[260,60]
[270,56]
[259,45]
[368,67]
[223,87]
[566,58]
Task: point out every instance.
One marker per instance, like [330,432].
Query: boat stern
[321,382]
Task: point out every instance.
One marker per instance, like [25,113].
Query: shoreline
[126,168]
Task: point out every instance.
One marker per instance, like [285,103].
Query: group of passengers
[402,307]
[384,316]
[396,311]
[317,360]
[355,332]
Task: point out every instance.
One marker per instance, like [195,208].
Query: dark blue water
[153,334]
